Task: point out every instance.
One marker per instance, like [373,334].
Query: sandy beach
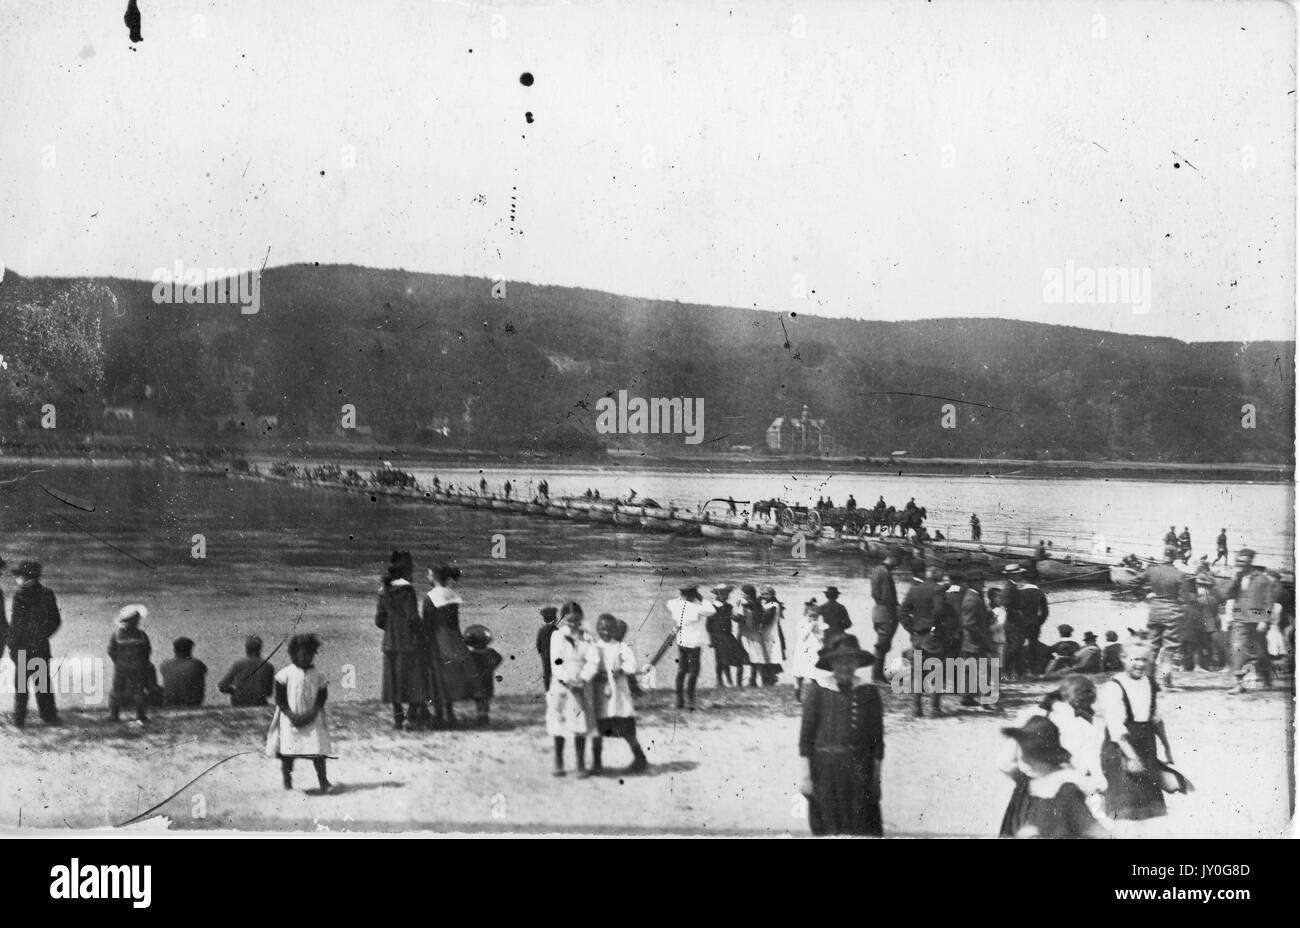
[730,768]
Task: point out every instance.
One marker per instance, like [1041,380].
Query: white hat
[134,609]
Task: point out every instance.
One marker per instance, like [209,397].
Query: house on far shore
[787,435]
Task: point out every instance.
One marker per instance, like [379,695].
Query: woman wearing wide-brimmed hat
[1070,709]
[1055,803]
[842,741]
[727,652]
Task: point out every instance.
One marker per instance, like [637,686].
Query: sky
[861,159]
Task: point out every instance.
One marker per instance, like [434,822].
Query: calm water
[281,559]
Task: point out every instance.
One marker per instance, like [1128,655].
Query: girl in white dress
[809,638]
[569,711]
[614,688]
[299,727]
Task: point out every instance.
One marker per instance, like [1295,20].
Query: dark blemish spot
[1177,165]
[322,173]
[526,78]
[374,499]
[132,20]
[794,315]
[528,117]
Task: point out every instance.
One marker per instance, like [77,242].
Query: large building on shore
[787,435]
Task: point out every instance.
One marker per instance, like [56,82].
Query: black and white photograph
[789,418]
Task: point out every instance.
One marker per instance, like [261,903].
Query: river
[279,559]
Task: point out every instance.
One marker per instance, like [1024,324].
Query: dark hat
[691,590]
[478,636]
[843,646]
[748,590]
[1246,553]
[550,613]
[1040,741]
[30,569]
[253,643]
[1065,631]
[1112,636]
[1089,636]
[832,591]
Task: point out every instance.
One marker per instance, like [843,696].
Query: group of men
[946,615]
[1183,614]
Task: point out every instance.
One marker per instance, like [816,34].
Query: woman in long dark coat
[842,740]
[406,671]
[453,674]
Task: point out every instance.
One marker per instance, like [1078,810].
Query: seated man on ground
[184,676]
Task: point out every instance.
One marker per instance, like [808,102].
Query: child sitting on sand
[478,638]
[299,727]
[615,685]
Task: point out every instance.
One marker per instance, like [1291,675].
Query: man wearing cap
[1165,605]
[884,616]
[33,618]
[1032,610]
[251,679]
[1221,546]
[834,614]
[918,614]
[1251,608]
[976,623]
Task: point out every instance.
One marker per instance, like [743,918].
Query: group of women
[1082,773]
[428,667]
[745,630]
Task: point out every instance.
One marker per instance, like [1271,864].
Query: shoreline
[995,468]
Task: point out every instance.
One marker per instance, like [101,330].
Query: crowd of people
[1083,760]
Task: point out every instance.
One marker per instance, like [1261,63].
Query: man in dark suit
[976,636]
[834,614]
[34,617]
[884,615]
[917,614]
[1032,612]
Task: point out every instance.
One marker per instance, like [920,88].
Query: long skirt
[405,675]
[727,651]
[1017,808]
[1133,796]
[843,801]
[455,676]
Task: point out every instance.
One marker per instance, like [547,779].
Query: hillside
[418,354]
